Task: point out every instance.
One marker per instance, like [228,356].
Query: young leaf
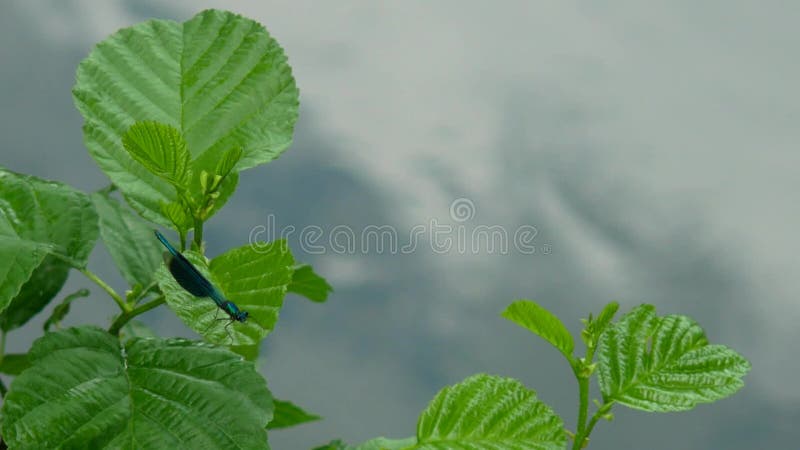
[254,279]
[45,229]
[86,390]
[542,322]
[160,149]
[219,78]
[14,363]
[605,317]
[129,240]
[596,326]
[308,284]
[61,311]
[177,215]
[489,412]
[228,161]
[665,363]
[288,415]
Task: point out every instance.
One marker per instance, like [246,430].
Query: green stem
[582,431]
[583,410]
[120,302]
[583,437]
[145,290]
[126,316]
[198,234]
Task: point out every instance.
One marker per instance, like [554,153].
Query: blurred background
[652,145]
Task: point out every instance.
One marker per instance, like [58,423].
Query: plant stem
[126,316]
[120,302]
[582,431]
[583,394]
[198,234]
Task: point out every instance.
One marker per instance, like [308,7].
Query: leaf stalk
[126,316]
[109,290]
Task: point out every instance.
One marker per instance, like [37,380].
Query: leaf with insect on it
[255,279]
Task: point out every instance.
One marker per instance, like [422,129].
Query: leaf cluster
[173,113]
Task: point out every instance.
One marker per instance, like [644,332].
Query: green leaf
[665,363]
[219,78]
[45,229]
[160,149]
[177,215]
[14,363]
[248,352]
[18,259]
[228,161]
[85,389]
[605,317]
[489,412]
[595,326]
[61,311]
[542,322]
[129,240]
[255,279]
[288,415]
[382,443]
[308,284]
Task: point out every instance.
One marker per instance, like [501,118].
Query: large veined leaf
[665,363]
[129,240]
[45,228]
[219,78]
[287,414]
[255,279]
[542,322]
[488,412]
[87,390]
[307,283]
